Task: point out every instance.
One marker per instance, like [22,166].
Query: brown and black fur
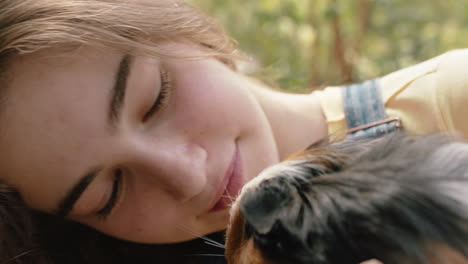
[400,199]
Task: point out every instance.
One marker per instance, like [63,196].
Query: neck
[296,120]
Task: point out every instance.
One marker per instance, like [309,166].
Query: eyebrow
[67,203]
[119,89]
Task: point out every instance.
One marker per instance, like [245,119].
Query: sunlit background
[312,43]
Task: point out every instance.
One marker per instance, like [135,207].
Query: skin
[55,129]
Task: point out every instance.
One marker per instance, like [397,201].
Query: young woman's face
[142,149]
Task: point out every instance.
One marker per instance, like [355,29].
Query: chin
[398,199]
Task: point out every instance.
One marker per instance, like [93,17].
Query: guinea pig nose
[274,213]
[271,201]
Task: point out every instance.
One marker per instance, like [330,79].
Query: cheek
[143,215]
[207,105]
[218,109]
[142,222]
[218,106]
[209,94]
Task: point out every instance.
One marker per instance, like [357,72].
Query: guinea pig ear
[270,202]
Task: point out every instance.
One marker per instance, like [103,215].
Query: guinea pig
[398,199]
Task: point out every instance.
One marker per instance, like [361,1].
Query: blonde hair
[129,26]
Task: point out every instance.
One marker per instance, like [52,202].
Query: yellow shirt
[429,97]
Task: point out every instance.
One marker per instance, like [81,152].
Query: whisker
[207,240]
[19,256]
[214,245]
[230,197]
[207,255]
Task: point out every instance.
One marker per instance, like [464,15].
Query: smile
[231,184]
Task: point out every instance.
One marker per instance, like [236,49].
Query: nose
[179,169]
[276,218]
[272,202]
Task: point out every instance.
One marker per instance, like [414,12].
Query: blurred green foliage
[310,43]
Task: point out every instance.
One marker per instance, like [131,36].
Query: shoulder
[449,69]
[430,96]
[452,89]
[396,82]
[452,68]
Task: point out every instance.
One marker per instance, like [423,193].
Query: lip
[230,185]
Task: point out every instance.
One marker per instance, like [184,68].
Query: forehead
[50,115]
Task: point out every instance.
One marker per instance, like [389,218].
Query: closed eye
[113,198]
[163,96]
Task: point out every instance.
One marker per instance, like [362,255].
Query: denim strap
[365,111]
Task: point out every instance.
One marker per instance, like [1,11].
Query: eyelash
[161,100]
[163,96]
[116,188]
